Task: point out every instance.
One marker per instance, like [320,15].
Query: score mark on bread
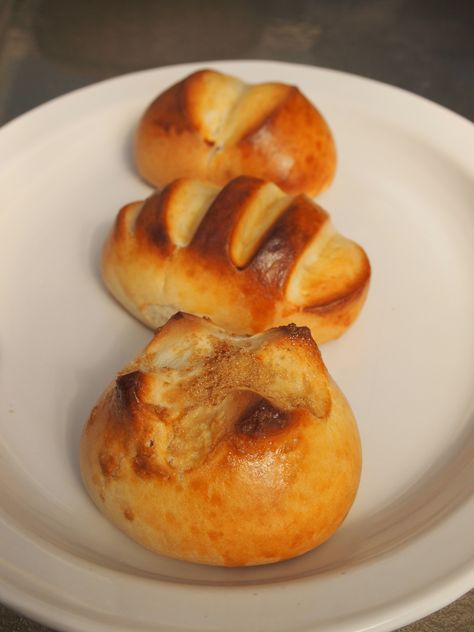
[223,449]
[248,256]
[214,127]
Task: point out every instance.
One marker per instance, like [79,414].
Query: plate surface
[404,190]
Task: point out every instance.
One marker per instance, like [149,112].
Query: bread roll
[214,127]
[248,256]
[221,449]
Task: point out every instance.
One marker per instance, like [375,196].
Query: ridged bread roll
[221,449]
[214,127]
[247,256]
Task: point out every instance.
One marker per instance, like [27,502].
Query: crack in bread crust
[177,414]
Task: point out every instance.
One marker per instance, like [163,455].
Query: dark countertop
[50,47]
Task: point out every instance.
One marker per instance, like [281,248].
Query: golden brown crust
[244,453]
[216,127]
[247,256]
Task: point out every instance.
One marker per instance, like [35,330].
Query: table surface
[50,47]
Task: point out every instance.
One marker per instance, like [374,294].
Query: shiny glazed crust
[223,450]
[214,127]
[247,256]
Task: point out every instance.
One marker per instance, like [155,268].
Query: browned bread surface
[248,256]
[214,127]
[221,449]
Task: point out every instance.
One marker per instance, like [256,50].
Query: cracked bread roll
[214,127]
[223,449]
[248,256]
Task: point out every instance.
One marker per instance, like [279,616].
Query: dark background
[50,47]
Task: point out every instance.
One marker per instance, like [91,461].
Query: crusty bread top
[194,383]
[215,127]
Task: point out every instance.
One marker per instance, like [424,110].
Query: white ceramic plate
[404,189]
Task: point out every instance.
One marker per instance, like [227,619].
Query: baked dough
[248,256]
[223,449]
[214,127]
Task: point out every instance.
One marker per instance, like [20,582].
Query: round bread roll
[214,127]
[223,449]
[248,256]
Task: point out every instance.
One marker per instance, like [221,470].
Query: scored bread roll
[248,256]
[222,449]
[214,127]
